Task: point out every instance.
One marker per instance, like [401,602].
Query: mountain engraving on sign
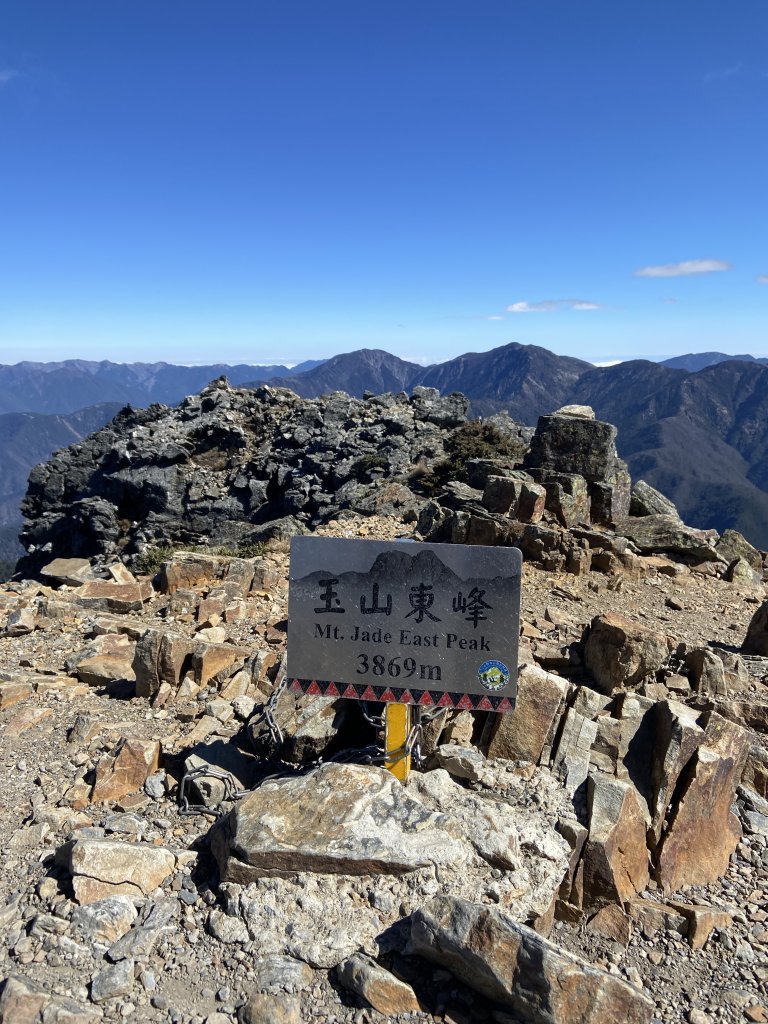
[418,623]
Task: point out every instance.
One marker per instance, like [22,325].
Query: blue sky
[262,182]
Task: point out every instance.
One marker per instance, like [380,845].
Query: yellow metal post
[397,727]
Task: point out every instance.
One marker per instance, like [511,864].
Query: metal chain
[231,790]
[374,753]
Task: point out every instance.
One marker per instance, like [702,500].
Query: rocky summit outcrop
[231,466]
[234,466]
[184,839]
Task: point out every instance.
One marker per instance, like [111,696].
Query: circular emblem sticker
[493,675]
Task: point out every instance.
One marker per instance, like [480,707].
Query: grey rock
[342,819]
[105,920]
[647,501]
[732,545]
[277,973]
[226,929]
[461,762]
[666,533]
[113,981]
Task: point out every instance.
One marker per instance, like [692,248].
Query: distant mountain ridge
[64,387]
[694,426]
[695,361]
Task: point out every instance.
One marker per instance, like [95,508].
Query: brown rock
[102,669]
[21,622]
[703,832]
[615,854]
[386,993]
[523,734]
[115,597]
[702,921]
[106,867]
[678,736]
[125,769]
[212,664]
[262,1008]
[622,653]
[161,657]
[22,1001]
[512,965]
[531,503]
[26,718]
[612,923]
[13,692]
[706,672]
[653,916]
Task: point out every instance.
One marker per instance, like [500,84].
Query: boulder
[615,855]
[108,867]
[702,830]
[647,501]
[733,545]
[515,967]
[523,734]
[706,672]
[666,533]
[620,653]
[342,819]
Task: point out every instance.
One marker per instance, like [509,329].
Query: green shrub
[475,440]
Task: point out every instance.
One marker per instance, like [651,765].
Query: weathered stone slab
[703,831]
[571,759]
[615,855]
[523,734]
[72,571]
[512,965]
[104,595]
[345,819]
[107,867]
[678,735]
[666,533]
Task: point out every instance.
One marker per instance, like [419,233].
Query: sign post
[433,625]
[397,728]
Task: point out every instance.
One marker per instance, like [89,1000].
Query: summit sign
[424,624]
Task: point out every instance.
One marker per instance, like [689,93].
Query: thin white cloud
[610,362]
[762,278]
[683,269]
[496,317]
[552,306]
[7,75]
[718,74]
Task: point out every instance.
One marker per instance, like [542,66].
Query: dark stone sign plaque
[426,624]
